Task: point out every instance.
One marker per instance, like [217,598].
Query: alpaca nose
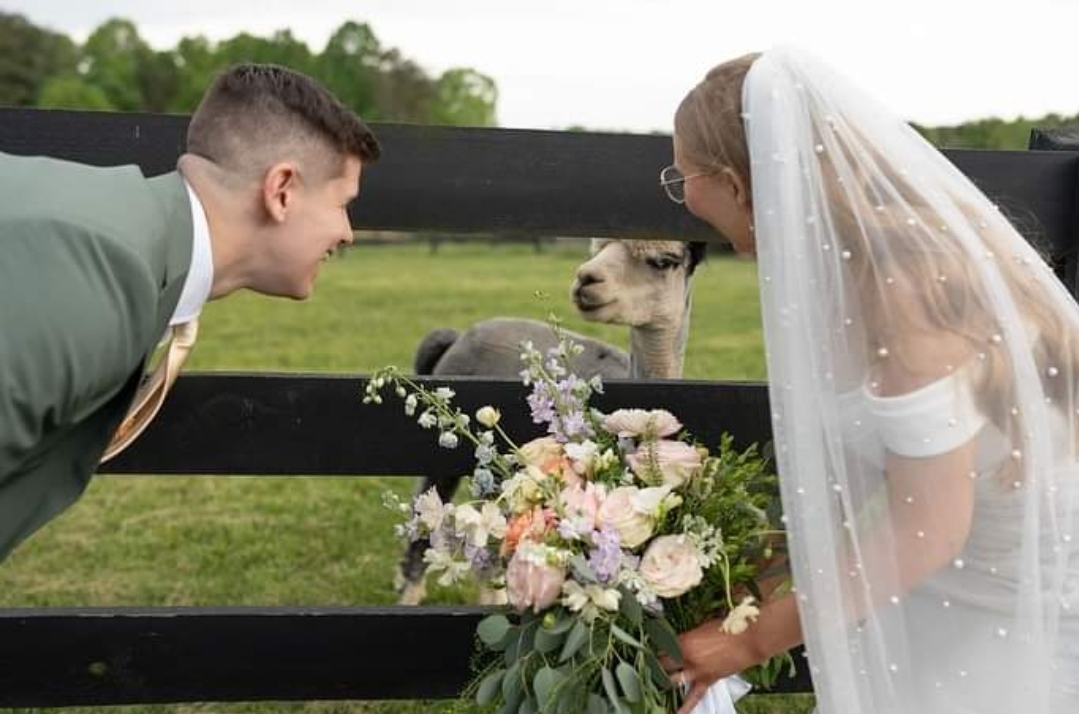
[586,277]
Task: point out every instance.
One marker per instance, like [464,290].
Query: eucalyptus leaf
[512,645]
[662,635]
[629,681]
[528,706]
[659,675]
[611,688]
[513,684]
[528,637]
[493,629]
[547,641]
[545,684]
[596,705]
[489,687]
[629,639]
[630,608]
[576,638]
[563,624]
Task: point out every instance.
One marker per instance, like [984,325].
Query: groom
[99,264]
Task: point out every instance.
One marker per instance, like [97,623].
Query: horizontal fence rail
[471,180]
[67,657]
[318,425]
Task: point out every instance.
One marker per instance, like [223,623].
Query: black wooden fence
[431,179]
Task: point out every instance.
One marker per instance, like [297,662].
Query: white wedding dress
[974,594]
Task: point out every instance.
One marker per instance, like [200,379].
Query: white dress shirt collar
[200,277]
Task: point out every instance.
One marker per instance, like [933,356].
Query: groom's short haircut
[254,115]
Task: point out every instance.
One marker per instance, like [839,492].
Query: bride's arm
[930,504]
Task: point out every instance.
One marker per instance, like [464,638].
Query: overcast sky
[624,65]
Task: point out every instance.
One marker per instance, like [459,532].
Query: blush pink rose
[582,504]
[654,424]
[531,581]
[676,461]
[619,511]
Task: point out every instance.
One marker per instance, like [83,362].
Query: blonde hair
[708,122]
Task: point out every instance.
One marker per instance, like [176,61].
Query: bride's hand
[708,655]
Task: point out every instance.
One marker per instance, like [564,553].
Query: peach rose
[539,451]
[529,526]
[563,468]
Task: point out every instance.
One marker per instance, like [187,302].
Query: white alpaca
[647,286]
[644,284]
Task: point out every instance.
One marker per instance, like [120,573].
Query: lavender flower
[542,404]
[573,425]
[482,562]
[606,558]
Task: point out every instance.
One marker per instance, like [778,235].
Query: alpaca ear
[738,186]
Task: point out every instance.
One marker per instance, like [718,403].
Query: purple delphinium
[606,557]
[542,404]
[482,562]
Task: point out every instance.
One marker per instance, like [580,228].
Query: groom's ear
[737,186]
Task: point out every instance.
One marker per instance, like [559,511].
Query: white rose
[620,511]
[671,566]
[653,424]
[488,416]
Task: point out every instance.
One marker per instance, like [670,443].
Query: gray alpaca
[643,284]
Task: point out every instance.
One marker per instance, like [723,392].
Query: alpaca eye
[664,262]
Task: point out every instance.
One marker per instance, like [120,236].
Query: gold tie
[150,395]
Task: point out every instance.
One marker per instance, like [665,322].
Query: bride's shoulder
[917,359]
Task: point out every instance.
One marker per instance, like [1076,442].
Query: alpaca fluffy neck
[657,351]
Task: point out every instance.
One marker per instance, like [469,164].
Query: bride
[924,372]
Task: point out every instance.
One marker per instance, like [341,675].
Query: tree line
[116,69]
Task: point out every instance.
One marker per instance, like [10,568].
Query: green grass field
[327,541]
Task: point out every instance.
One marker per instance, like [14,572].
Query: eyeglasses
[674,183]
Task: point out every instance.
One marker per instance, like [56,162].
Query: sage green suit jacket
[92,262]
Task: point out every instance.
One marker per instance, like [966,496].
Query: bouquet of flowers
[608,535]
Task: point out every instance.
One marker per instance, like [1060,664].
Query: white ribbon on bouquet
[721,696]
